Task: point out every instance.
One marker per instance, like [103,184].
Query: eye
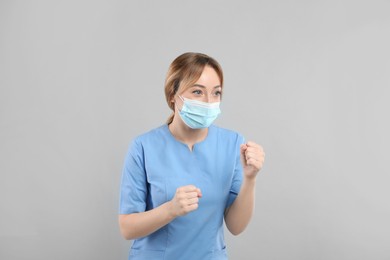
[197,92]
[218,93]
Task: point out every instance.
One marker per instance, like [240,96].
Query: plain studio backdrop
[308,80]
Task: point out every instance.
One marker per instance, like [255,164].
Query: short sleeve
[237,175]
[133,190]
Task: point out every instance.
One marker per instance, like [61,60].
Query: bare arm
[141,224]
[238,215]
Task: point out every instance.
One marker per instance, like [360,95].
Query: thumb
[199,193]
[243,148]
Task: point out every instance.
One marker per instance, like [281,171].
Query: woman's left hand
[252,159]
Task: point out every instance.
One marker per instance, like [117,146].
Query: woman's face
[207,88]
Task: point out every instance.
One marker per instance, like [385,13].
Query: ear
[173,99]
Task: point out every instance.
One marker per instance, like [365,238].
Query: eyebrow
[198,85]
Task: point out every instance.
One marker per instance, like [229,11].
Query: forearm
[141,224]
[240,212]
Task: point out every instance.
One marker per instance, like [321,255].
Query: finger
[257,156]
[188,188]
[190,195]
[255,164]
[243,148]
[199,192]
[252,162]
[251,154]
[192,207]
[252,144]
[255,149]
[192,201]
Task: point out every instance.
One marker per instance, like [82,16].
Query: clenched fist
[185,200]
[252,158]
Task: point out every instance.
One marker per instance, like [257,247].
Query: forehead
[209,78]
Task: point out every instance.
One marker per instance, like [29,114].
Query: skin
[188,198]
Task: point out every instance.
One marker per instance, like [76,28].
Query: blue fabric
[156,165]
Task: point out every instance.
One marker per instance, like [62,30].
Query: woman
[183,178]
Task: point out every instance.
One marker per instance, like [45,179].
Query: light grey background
[309,80]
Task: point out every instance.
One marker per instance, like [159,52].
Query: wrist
[251,181]
[170,210]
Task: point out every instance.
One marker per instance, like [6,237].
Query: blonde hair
[184,71]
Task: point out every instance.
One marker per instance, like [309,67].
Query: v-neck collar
[196,145]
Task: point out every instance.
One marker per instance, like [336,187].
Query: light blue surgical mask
[197,114]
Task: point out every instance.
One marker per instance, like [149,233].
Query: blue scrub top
[156,165]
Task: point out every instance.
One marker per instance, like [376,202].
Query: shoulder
[151,137]
[155,133]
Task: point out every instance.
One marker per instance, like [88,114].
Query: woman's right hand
[186,199]
[141,224]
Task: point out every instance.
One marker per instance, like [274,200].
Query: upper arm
[226,212]
[237,175]
[133,189]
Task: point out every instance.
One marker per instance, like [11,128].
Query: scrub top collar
[210,132]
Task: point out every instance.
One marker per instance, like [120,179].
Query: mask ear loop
[182,100]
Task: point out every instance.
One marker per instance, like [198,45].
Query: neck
[185,134]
